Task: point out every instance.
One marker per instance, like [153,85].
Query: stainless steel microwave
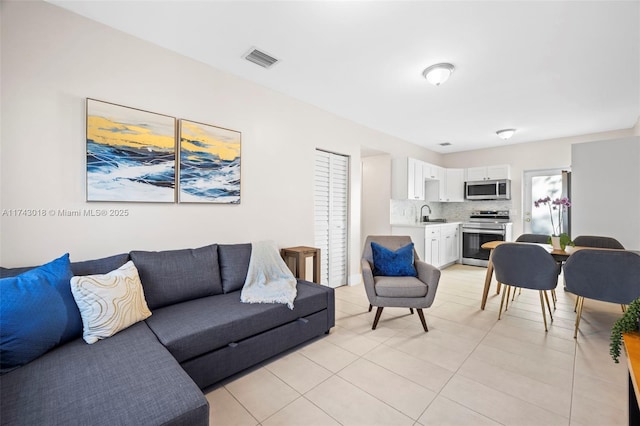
[488,190]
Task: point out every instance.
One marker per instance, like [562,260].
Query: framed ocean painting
[209,164]
[131,154]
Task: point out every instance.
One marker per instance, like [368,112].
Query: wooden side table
[299,255]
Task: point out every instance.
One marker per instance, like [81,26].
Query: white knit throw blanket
[269,280]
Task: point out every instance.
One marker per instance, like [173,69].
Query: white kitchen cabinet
[432,172]
[438,245]
[450,244]
[407,179]
[501,171]
[448,189]
[432,245]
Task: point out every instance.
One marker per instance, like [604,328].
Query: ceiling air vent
[445,144]
[260,58]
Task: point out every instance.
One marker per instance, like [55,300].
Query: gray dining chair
[400,292]
[604,275]
[597,241]
[533,238]
[525,266]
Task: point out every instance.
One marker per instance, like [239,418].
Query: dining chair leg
[370,307]
[498,287]
[508,290]
[624,308]
[502,303]
[575,308]
[422,320]
[546,298]
[544,315]
[554,298]
[578,316]
[375,320]
[411,310]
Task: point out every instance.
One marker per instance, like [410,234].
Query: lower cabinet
[450,248]
[438,245]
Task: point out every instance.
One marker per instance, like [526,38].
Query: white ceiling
[548,68]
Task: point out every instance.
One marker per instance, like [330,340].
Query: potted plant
[627,323]
[558,239]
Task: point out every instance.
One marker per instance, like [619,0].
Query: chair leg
[501,303]
[498,288]
[375,320]
[544,315]
[411,310]
[624,308]
[421,315]
[578,315]
[575,308]
[508,291]
[554,298]
[546,297]
[370,307]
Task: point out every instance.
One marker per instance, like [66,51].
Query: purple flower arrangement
[559,204]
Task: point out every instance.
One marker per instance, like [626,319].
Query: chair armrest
[430,275]
[367,278]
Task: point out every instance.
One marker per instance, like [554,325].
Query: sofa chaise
[153,372]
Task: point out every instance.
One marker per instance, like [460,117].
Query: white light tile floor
[469,369]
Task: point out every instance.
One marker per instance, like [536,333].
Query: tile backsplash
[405,212]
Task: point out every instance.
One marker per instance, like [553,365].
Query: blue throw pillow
[37,313]
[391,263]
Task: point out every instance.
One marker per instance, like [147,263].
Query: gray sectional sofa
[153,372]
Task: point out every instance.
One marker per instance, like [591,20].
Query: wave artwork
[130,154]
[209,164]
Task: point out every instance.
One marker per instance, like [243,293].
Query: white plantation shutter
[331,198]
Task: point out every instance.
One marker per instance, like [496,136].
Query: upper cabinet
[413,179]
[407,179]
[502,171]
[432,172]
[449,188]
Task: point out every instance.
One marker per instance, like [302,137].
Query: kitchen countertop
[423,224]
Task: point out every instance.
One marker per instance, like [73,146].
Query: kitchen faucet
[425,218]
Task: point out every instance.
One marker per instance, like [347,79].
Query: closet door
[331,202]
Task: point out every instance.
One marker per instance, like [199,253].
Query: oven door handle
[483,231]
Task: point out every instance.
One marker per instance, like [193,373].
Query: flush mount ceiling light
[505,133]
[438,73]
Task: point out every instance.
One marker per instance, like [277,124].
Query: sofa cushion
[110,302]
[128,379]
[196,327]
[174,276]
[99,266]
[234,264]
[86,267]
[37,313]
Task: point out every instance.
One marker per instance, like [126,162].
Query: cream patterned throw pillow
[109,303]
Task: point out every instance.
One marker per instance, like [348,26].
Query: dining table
[558,255]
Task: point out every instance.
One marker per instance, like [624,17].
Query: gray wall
[606,190]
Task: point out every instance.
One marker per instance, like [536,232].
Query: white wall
[606,190]
[52,60]
[376,193]
[550,154]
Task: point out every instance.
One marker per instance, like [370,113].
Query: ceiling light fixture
[438,73]
[505,133]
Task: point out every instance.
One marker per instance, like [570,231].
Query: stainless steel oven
[483,226]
